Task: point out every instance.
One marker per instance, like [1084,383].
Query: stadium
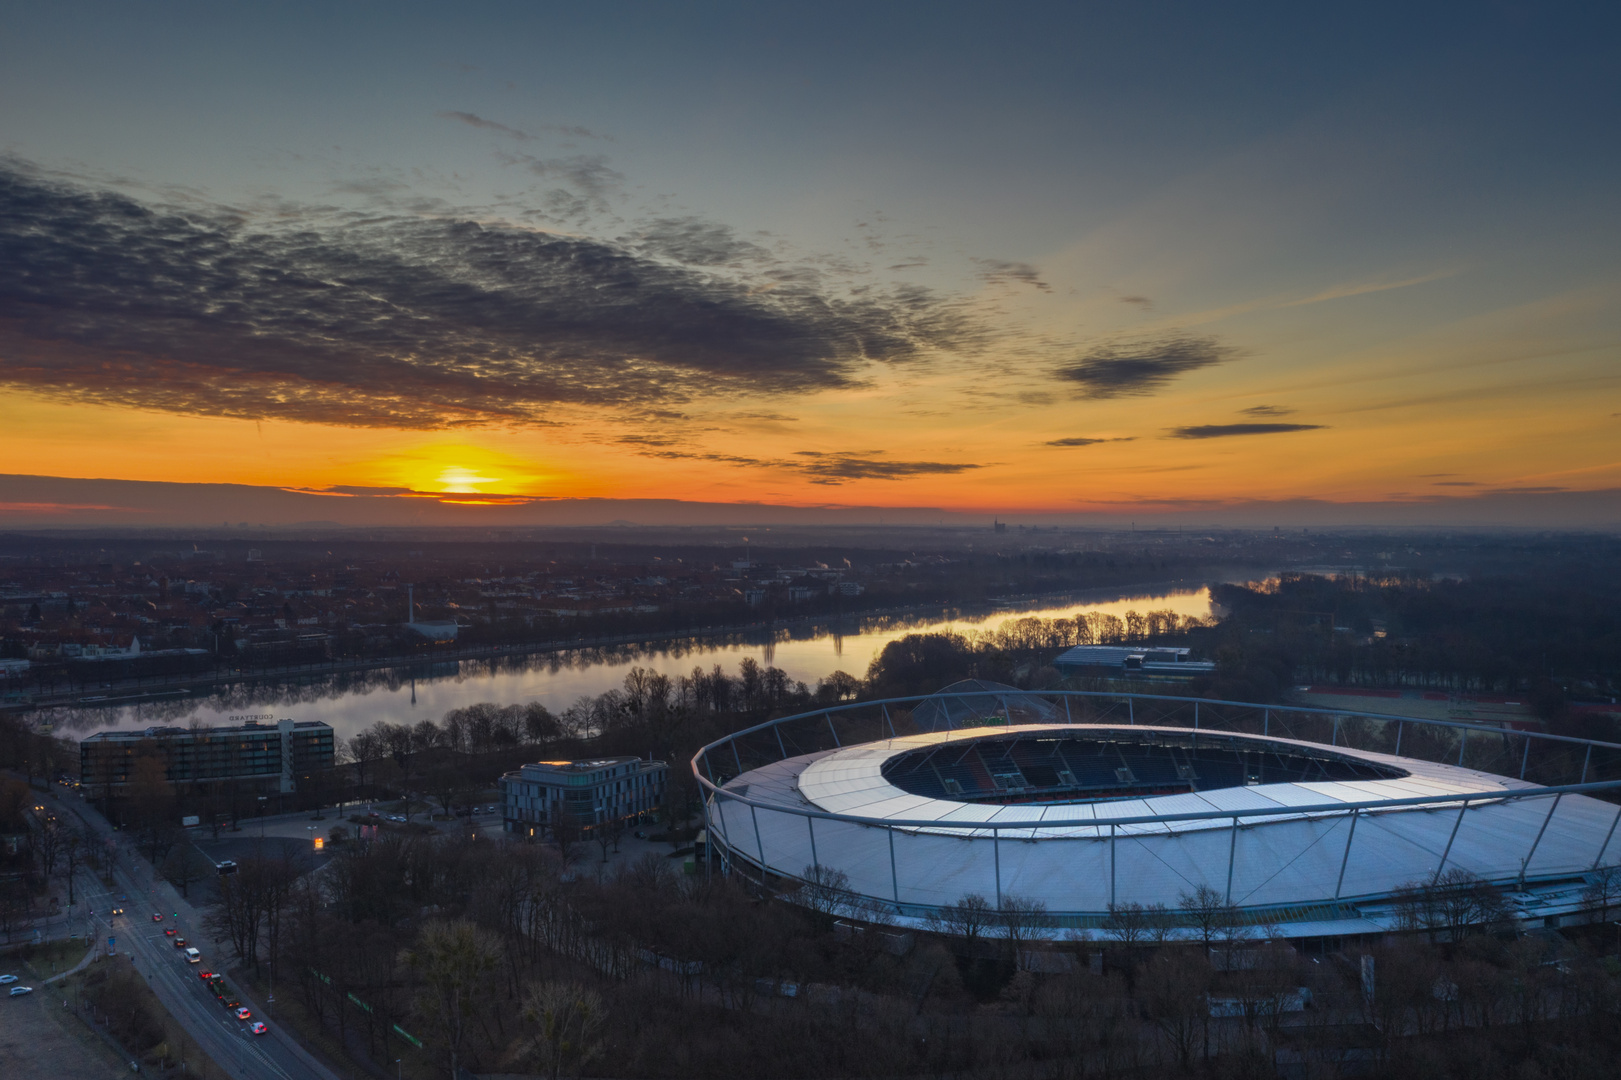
[1309,823]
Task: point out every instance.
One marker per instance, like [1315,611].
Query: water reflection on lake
[355,701]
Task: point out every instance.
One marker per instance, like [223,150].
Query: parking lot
[39,1040]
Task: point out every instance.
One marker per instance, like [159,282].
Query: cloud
[1137,301]
[1141,367]
[1222,431]
[836,468]
[474,120]
[406,321]
[587,183]
[1455,483]
[1267,410]
[357,489]
[1084,441]
[695,242]
[1000,272]
[1341,292]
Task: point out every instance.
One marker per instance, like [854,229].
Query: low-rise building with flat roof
[583,793]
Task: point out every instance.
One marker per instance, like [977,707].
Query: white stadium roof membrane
[1315,857]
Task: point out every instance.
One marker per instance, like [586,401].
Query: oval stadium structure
[1310,823]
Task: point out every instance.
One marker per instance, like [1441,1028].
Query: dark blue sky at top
[968,104]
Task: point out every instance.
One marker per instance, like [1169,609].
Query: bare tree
[184,865]
[1603,890]
[1175,985]
[1021,920]
[1129,925]
[825,891]
[1208,911]
[967,919]
[454,962]
[567,1018]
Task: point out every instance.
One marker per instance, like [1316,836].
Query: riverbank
[797,645]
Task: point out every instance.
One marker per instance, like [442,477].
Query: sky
[1018,259]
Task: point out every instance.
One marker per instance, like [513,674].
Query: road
[275,1056]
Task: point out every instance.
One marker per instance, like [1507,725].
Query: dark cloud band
[402,321]
[1142,367]
[1221,431]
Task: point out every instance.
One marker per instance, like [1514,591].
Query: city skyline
[1048,262]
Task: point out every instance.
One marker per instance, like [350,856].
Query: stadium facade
[1309,822]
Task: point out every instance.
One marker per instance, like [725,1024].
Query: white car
[7,979]
[19,991]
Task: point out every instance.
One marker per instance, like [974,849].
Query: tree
[454,961]
[1175,986]
[826,892]
[1020,919]
[607,834]
[1209,913]
[184,865]
[360,752]
[568,1018]
[1128,924]
[73,854]
[152,801]
[447,783]
[1603,890]
[565,833]
[967,920]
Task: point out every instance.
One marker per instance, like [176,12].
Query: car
[157,916]
[170,932]
[19,991]
[180,943]
[7,980]
[205,975]
[230,1002]
[118,911]
[242,1013]
[257,1028]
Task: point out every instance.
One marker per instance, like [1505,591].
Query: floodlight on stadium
[1310,822]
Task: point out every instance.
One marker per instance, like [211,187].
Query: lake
[351,703]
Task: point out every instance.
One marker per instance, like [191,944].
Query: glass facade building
[584,793]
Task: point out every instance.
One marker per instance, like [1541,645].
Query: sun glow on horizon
[456,480]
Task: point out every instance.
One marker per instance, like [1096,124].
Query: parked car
[19,991]
[7,980]
[257,1028]
[242,1012]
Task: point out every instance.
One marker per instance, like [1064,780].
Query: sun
[454,479]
